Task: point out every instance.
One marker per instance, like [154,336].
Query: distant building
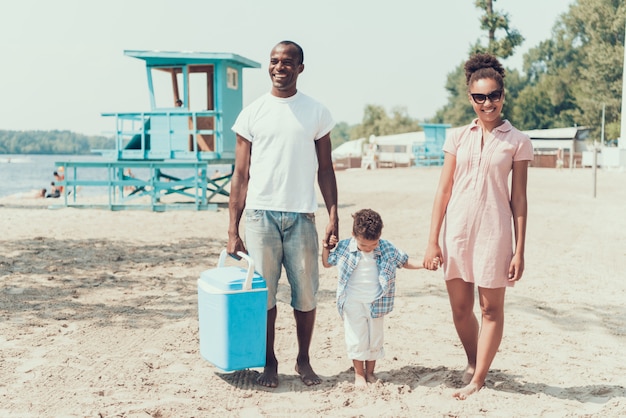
[549,143]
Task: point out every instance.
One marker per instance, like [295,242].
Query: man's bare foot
[359,381]
[307,375]
[468,373]
[371,378]
[269,377]
[467,391]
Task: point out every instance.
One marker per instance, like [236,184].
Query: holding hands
[432,257]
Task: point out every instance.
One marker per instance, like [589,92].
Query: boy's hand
[332,241]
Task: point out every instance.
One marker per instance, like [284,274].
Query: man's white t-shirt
[283,162]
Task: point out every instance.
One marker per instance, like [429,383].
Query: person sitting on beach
[57,178]
[366,289]
[54,191]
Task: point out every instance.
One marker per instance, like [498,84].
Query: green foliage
[377,122]
[340,134]
[571,76]
[458,111]
[51,142]
[496,22]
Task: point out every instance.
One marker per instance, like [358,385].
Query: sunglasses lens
[493,97]
[479,98]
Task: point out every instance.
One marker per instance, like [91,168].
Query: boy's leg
[370,377]
[360,379]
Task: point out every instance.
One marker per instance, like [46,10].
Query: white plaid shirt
[388,258]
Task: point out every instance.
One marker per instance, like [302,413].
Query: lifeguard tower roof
[189,57]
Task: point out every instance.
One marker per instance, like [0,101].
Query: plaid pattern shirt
[346,256]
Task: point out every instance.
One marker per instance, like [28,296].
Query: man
[283,140]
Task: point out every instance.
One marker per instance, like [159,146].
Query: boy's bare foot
[371,378]
[468,373]
[359,381]
[269,377]
[307,375]
[468,390]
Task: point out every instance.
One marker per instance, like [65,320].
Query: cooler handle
[247,285]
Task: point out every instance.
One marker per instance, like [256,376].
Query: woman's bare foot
[468,390]
[468,373]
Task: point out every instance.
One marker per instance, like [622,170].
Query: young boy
[366,289]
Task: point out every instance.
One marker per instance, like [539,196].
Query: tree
[572,75]
[377,122]
[494,21]
[457,111]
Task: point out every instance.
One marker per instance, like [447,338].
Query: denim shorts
[276,239]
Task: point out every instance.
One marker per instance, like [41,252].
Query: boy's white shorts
[364,334]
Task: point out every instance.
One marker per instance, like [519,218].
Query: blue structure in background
[195,98]
[430,152]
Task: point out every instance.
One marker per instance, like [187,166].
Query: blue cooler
[232,313]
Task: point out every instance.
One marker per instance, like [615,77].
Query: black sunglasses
[493,97]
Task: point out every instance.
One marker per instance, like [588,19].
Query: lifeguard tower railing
[174,155]
[138,173]
[180,134]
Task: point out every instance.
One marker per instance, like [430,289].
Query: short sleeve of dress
[524,150]
[450,144]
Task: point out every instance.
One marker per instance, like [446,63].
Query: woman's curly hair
[480,66]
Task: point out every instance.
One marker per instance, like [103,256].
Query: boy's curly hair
[367,224]
[480,66]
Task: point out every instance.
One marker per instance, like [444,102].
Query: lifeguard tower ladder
[169,157]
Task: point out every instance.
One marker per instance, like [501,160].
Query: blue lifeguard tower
[178,147]
[430,152]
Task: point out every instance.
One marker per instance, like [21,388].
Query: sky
[63,61]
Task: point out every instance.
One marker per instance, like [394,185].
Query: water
[26,173]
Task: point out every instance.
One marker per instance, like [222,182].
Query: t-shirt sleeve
[242,124]
[326,122]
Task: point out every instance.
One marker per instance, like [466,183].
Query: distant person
[58,178]
[179,103]
[559,159]
[479,215]
[128,174]
[283,146]
[366,289]
[54,191]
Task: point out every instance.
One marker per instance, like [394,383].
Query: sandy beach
[98,313]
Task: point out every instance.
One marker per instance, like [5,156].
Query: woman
[474,199]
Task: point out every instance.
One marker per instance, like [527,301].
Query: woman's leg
[461,295]
[492,326]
